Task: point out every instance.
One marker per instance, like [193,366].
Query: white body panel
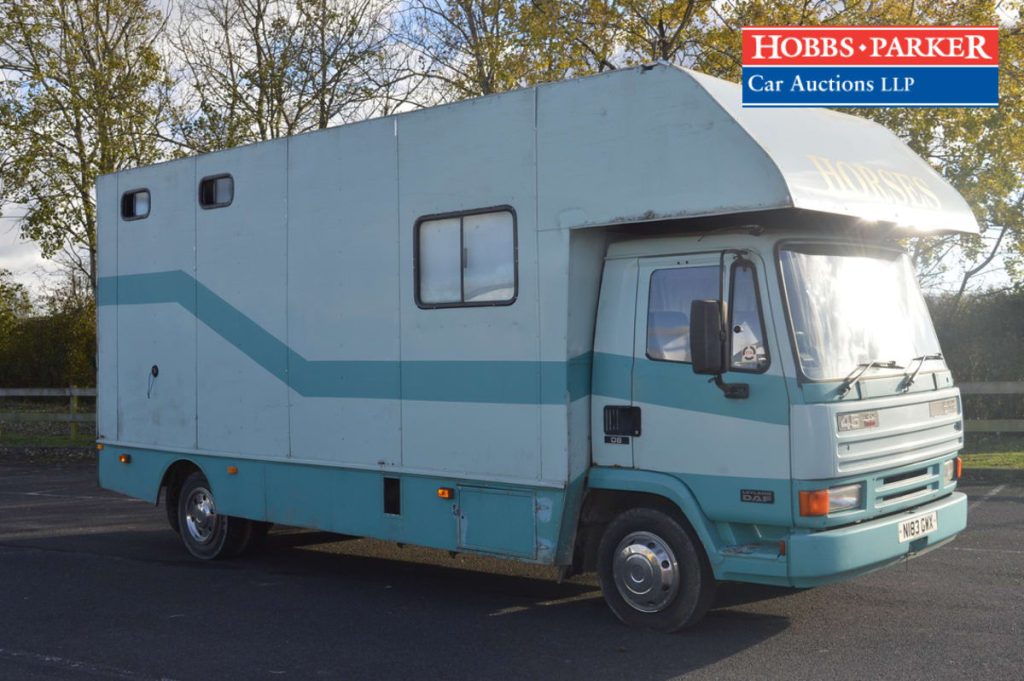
[337,307]
[161,409]
[241,258]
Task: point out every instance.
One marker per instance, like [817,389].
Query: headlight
[856,420]
[951,470]
[832,500]
[845,498]
[942,407]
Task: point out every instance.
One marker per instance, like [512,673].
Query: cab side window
[668,309]
[749,348]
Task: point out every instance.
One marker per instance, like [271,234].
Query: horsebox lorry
[618,323]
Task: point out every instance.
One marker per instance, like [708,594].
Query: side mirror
[707,342]
[708,348]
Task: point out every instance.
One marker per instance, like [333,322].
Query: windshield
[852,305]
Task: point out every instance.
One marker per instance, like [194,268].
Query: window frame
[647,312]
[133,192]
[760,315]
[504,208]
[214,178]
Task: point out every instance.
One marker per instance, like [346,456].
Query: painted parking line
[589,595]
[81,666]
[993,492]
[974,550]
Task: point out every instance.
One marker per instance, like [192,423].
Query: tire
[653,572]
[171,507]
[208,535]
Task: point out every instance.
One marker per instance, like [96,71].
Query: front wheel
[208,535]
[653,571]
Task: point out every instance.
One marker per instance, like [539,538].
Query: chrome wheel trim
[645,571]
[200,515]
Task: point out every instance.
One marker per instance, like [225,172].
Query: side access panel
[498,521]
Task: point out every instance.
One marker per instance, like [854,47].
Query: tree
[14,307]
[261,69]
[70,322]
[467,48]
[78,99]
[605,34]
[14,302]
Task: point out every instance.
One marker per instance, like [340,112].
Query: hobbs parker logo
[871,66]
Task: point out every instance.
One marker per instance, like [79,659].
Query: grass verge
[995,460]
[63,441]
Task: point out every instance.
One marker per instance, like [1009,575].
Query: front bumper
[827,556]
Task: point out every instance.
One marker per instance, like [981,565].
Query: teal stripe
[503,382]
[578,375]
[230,323]
[498,382]
[673,384]
[613,375]
[515,382]
[373,380]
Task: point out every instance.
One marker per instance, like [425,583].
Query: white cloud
[23,258]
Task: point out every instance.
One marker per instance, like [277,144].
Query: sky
[23,258]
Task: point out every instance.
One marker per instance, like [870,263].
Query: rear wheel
[653,571]
[207,534]
[171,507]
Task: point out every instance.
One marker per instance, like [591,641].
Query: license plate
[918,526]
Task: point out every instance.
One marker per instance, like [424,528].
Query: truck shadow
[317,605]
[486,618]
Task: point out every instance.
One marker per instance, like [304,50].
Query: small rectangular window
[466,259]
[135,204]
[216,191]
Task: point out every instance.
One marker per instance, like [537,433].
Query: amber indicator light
[814,503]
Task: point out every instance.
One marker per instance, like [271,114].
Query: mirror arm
[733,391]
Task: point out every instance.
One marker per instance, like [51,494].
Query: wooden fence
[994,425]
[74,416]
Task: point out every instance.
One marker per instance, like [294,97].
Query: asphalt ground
[95,586]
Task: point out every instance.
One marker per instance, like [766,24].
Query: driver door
[689,426]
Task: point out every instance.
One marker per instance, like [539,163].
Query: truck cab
[788,385]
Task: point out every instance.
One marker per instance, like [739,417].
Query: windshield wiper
[855,375]
[921,359]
